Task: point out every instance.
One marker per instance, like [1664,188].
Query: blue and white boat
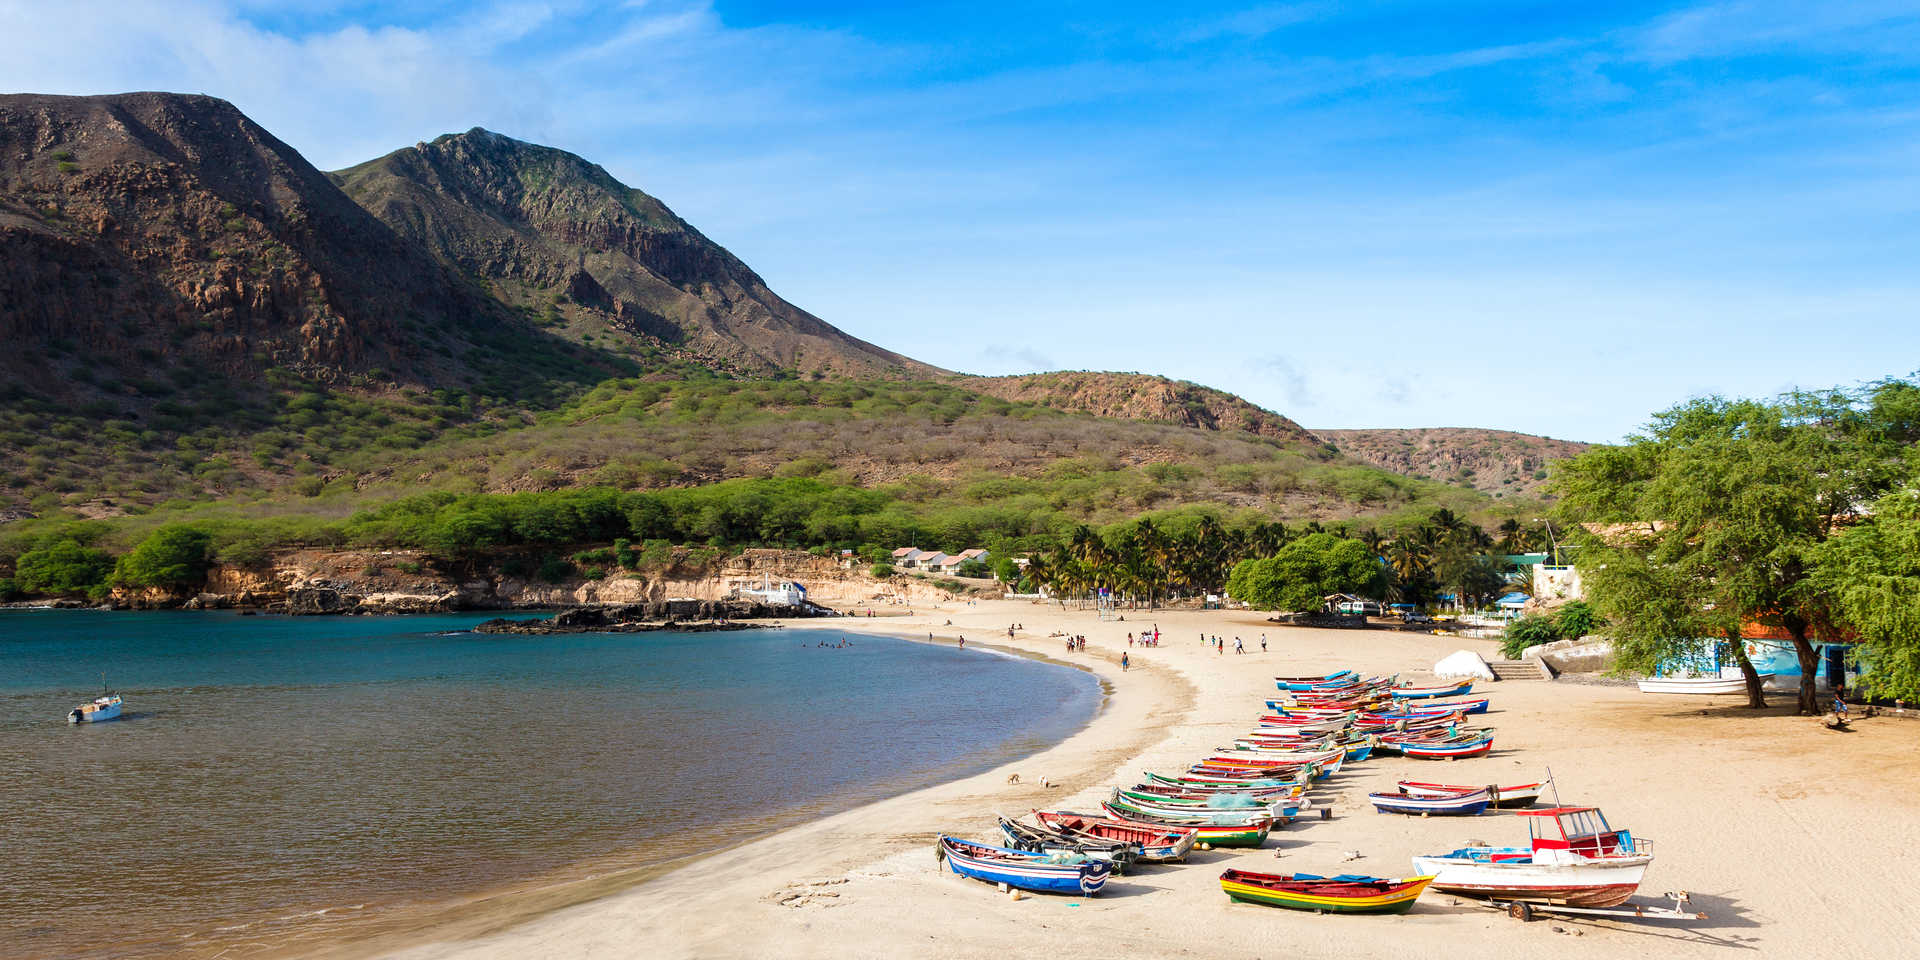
[1045,873]
[1466,803]
[102,708]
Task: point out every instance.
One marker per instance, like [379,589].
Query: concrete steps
[1519,670]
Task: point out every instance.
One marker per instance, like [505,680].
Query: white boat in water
[1699,685]
[1582,863]
[102,708]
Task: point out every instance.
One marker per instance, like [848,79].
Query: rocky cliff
[1135,396]
[314,582]
[560,238]
[145,231]
[1492,461]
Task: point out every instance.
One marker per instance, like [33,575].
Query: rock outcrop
[1492,461]
[1136,396]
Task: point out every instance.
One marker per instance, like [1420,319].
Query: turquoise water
[268,768]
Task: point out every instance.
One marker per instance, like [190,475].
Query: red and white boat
[1574,859]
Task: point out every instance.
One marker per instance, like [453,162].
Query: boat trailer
[1526,911]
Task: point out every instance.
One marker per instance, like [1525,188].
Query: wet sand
[1792,838]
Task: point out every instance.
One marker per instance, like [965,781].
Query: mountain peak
[561,238]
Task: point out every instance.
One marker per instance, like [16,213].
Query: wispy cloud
[1008,358]
[1256,22]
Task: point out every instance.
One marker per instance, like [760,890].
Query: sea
[275,780]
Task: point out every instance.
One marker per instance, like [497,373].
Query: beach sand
[1792,838]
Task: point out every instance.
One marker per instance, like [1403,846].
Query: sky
[1539,216]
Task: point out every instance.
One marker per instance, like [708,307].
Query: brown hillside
[1493,461]
[1136,396]
[149,230]
[563,240]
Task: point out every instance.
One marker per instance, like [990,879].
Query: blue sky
[1546,217]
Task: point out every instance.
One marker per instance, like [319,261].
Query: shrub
[61,568]
[881,571]
[1575,620]
[172,557]
[1525,633]
[555,569]
[9,589]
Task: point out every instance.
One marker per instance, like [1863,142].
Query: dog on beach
[1015,778]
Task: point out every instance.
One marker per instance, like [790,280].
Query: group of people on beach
[1219,645]
[1146,639]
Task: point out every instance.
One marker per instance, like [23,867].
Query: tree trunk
[1809,667]
[1756,697]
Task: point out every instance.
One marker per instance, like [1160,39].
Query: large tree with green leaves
[1716,518]
[1304,572]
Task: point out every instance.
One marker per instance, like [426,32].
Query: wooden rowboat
[1462,688]
[1305,891]
[1464,804]
[1447,751]
[1042,873]
[1220,835]
[1155,843]
[1518,795]
[1041,839]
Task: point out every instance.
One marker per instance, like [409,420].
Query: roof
[905,551]
[1553,811]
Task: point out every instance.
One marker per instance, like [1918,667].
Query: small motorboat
[1347,893]
[1041,872]
[1575,859]
[101,709]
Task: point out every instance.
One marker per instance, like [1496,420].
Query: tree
[1304,572]
[1873,574]
[881,571]
[1714,519]
[172,556]
[1006,570]
[62,568]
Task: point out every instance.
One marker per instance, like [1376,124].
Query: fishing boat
[1574,859]
[1190,782]
[1474,705]
[1155,843]
[1460,689]
[1466,803]
[1347,893]
[1698,685]
[1250,834]
[1224,808]
[1268,793]
[1040,839]
[1518,795]
[1448,750]
[104,707]
[1307,683]
[1043,873]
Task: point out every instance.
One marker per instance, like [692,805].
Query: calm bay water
[271,768]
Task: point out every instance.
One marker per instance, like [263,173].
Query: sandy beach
[1789,836]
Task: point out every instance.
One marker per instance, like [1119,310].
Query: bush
[882,571]
[1525,633]
[1575,620]
[555,569]
[172,557]
[62,568]
[975,569]
[9,589]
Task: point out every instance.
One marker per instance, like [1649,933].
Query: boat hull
[99,711]
[1605,882]
[1699,686]
[1395,897]
[1024,871]
[1445,805]
[1218,835]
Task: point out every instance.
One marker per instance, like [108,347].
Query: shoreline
[400,925]
[1750,811]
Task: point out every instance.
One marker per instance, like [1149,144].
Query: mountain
[1499,462]
[562,240]
[147,233]
[1143,397]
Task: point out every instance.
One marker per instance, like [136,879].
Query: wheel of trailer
[1522,912]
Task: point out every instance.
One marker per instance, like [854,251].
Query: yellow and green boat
[1347,893]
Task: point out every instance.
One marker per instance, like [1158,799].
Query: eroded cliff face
[1491,461]
[404,581]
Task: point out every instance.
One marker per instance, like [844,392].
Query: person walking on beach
[1238,647]
[1123,661]
[963,643]
[1263,643]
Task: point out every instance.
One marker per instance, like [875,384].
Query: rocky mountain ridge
[1499,462]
